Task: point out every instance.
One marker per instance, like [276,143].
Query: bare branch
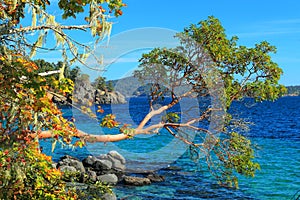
[49,73]
[182,139]
[49,27]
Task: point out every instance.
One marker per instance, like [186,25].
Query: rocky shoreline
[84,94]
[104,97]
[107,168]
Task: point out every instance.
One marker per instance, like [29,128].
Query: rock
[119,98]
[70,161]
[108,178]
[78,165]
[91,175]
[117,160]
[83,92]
[172,168]
[156,178]
[117,165]
[66,168]
[109,196]
[118,156]
[89,161]
[136,181]
[106,167]
[103,157]
[102,165]
[104,97]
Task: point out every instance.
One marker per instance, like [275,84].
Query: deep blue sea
[275,132]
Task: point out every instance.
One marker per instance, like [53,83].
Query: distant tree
[70,73]
[44,66]
[110,86]
[100,83]
[74,73]
[84,78]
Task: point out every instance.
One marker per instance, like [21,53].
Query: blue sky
[252,21]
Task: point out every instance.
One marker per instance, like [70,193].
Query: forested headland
[293,90]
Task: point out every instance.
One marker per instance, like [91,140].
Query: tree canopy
[208,64]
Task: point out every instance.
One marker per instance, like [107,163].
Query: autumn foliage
[25,110]
[26,106]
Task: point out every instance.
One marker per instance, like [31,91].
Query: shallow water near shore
[276,133]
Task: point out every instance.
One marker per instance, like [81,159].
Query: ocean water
[275,132]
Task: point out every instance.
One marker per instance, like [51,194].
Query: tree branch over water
[206,65]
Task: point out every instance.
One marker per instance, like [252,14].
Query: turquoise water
[276,134]
[279,177]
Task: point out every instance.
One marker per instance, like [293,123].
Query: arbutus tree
[209,65]
[206,65]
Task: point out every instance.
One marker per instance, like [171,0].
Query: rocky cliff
[85,94]
[104,97]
